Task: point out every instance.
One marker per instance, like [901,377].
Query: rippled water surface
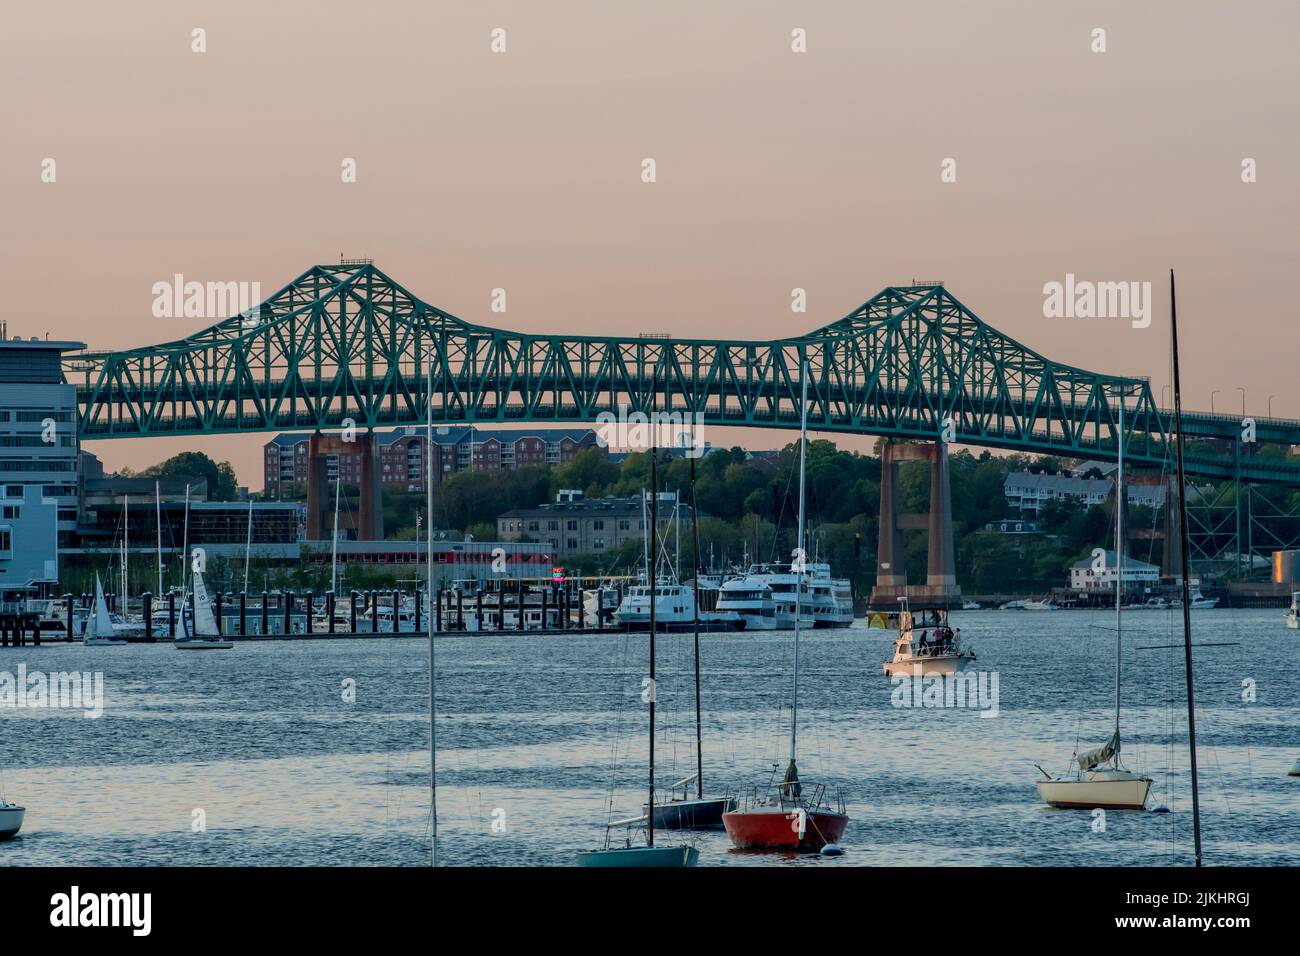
[541,739]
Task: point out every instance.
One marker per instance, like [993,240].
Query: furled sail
[1102,754]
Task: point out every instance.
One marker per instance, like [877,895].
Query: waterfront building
[38,464]
[573,524]
[1137,574]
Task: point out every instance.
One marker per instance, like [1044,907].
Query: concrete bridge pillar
[891,573]
[369,519]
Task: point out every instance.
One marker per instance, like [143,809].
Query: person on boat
[923,647]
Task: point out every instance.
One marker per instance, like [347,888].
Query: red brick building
[455,448]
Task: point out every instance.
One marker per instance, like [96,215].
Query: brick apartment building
[455,449]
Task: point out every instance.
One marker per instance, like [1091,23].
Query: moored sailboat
[629,854]
[790,816]
[11,819]
[687,812]
[1101,780]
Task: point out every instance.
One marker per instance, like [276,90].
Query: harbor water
[315,752]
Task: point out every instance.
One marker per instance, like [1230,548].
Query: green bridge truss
[347,342]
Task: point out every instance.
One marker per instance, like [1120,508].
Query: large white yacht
[674,610]
[764,597]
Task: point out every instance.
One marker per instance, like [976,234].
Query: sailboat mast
[428,565]
[650,580]
[334,553]
[248,544]
[1185,567]
[800,558]
[157,500]
[185,551]
[699,735]
[1119,557]
[125,532]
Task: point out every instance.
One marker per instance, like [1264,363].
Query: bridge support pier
[369,520]
[891,573]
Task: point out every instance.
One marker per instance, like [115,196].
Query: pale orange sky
[775,170]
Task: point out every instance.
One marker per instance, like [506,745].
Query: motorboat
[937,650]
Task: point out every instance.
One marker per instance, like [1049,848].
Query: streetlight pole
[1243,399]
[1212,394]
[1270,405]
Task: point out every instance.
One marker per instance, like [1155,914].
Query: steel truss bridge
[347,342]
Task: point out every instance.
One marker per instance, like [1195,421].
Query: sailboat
[11,819]
[205,637]
[1100,779]
[649,855]
[99,623]
[791,815]
[687,812]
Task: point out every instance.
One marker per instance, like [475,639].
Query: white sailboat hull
[1100,789]
[11,819]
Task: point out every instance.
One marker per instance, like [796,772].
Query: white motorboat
[1012,606]
[99,630]
[764,597]
[918,656]
[1199,601]
[971,605]
[205,636]
[1293,614]
[1100,779]
[1043,605]
[11,819]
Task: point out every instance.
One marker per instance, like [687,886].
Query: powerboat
[938,650]
[1293,613]
[673,609]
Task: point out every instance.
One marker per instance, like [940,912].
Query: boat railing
[632,825]
[811,796]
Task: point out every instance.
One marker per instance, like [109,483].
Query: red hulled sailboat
[790,815]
